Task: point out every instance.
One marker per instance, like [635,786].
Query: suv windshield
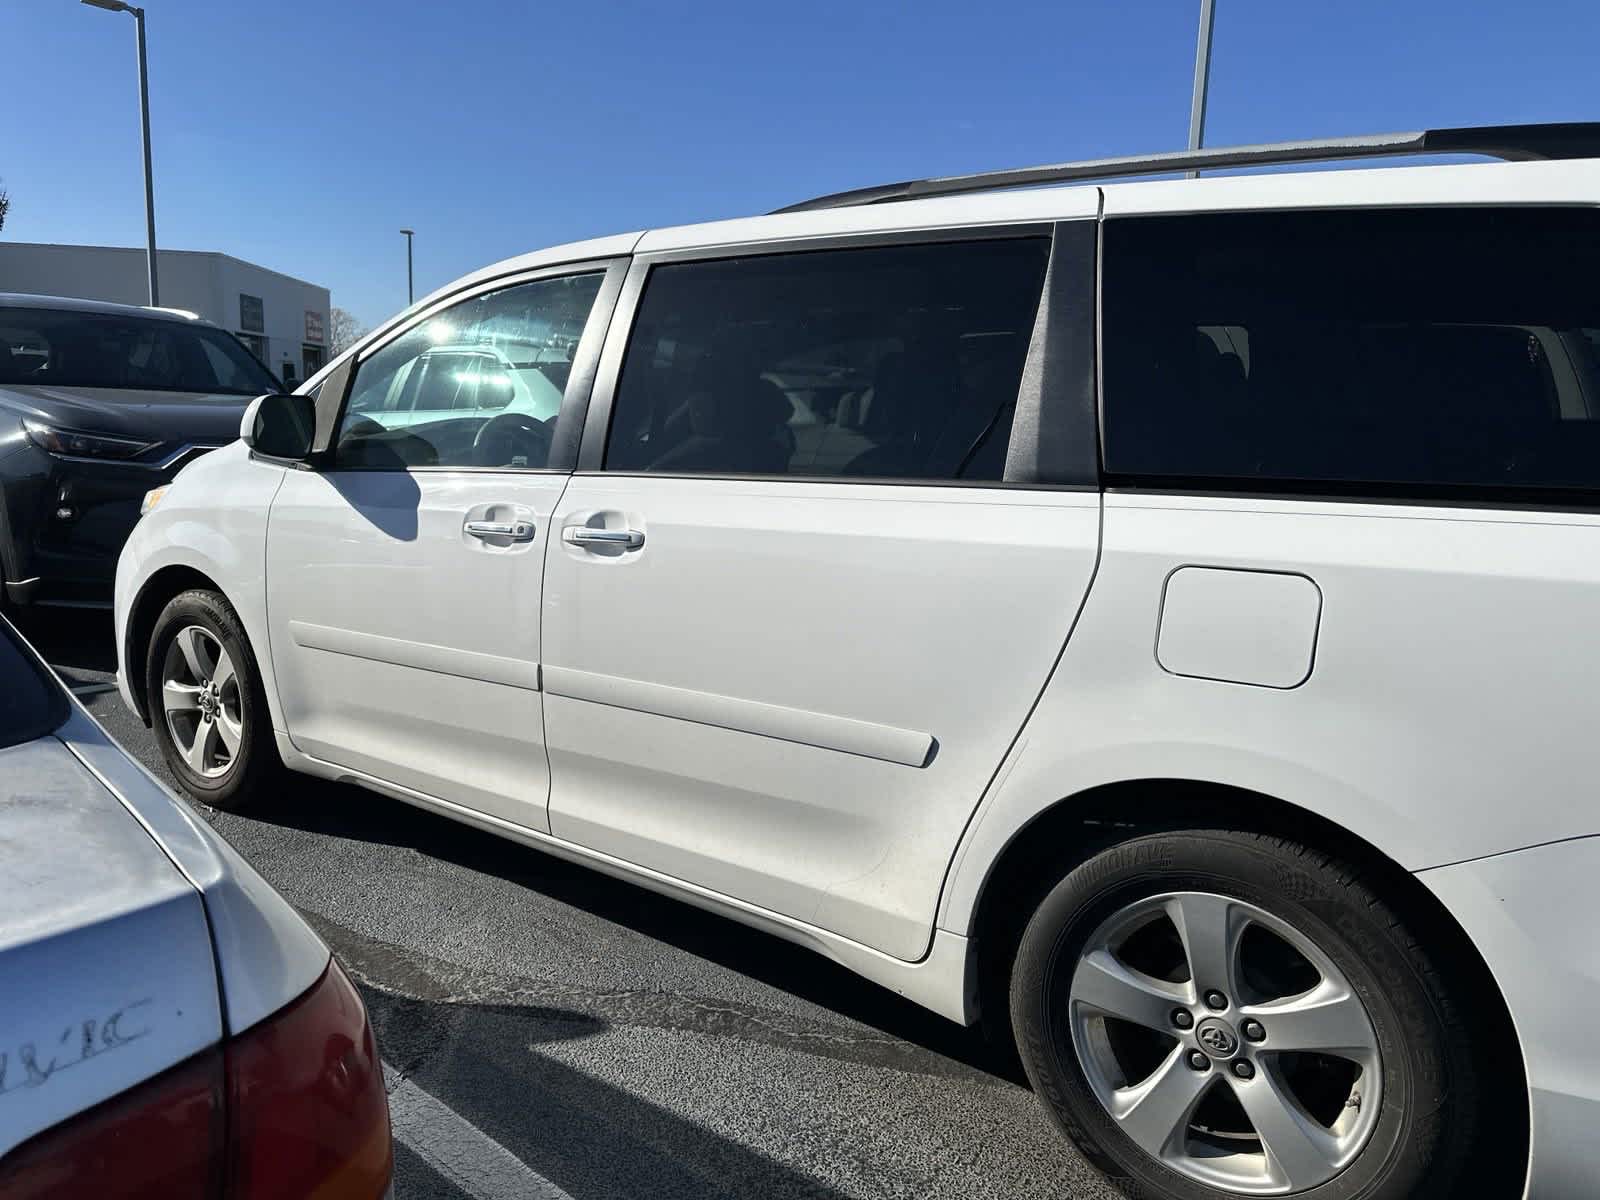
[31,703]
[62,348]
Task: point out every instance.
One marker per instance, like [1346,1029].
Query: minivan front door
[799,611]
[404,578]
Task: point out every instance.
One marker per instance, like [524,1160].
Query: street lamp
[1202,80]
[144,119]
[410,294]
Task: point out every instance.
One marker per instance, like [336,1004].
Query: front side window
[49,347]
[475,385]
[896,362]
[1388,352]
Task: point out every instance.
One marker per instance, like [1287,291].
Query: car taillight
[294,1107]
[162,1138]
[307,1113]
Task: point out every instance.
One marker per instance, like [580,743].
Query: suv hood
[157,416]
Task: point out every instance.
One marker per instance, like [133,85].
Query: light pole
[144,124]
[1202,80]
[410,293]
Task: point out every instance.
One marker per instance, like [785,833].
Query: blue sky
[303,135]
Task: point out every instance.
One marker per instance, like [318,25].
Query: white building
[283,319]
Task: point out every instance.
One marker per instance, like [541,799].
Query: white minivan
[1158,619]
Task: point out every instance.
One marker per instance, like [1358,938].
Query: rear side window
[898,362]
[1398,352]
[31,703]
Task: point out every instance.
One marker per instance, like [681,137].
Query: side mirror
[280,426]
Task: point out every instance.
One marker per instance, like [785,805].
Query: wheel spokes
[1114,990]
[201,695]
[224,673]
[1264,1014]
[1328,1019]
[1155,1113]
[198,753]
[228,732]
[180,697]
[1299,1152]
[192,646]
[1209,928]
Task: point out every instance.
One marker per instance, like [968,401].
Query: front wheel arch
[154,596]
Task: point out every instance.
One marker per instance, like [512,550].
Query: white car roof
[1547,182]
[1570,181]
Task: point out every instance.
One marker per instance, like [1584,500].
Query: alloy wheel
[1225,1043]
[201,699]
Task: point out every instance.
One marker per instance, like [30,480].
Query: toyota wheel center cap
[1217,1038]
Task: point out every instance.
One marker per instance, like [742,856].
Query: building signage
[313,326]
[252,314]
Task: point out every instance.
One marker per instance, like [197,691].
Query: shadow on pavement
[589,1138]
[340,810]
[77,639]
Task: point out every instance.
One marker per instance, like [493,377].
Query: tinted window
[60,348]
[895,362]
[1382,352]
[232,372]
[31,703]
[479,384]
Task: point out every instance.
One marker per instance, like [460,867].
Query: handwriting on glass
[33,1064]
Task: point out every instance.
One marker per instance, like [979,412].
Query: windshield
[31,703]
[60,348]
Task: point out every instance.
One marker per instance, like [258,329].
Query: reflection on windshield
[59,348]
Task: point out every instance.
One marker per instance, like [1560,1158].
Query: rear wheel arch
[1077,827]
[154,596]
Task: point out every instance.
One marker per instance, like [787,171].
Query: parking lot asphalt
[563,1033]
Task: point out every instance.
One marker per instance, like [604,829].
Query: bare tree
[5,206]
[344,330]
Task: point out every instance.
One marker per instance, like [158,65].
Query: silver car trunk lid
[107,976]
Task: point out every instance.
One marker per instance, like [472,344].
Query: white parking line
[457,1149]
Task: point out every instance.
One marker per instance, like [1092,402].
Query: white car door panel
[406,646]
[770,669]
[780,700]
[404,575]
[824,730]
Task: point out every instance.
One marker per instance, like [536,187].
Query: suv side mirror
[280,426]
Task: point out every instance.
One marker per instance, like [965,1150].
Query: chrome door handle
[517,531]
[583,535]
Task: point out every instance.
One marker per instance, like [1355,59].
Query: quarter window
[476,385]
[898,362]
[1392,352]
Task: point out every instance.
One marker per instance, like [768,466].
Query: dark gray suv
[99,403]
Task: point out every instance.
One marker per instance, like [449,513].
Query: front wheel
[1214,1014]
[208,706]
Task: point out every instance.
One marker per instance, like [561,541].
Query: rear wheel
[1215,1014]
[207,703]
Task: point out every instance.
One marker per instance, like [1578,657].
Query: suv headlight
[70,443]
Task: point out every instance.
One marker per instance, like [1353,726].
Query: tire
[1299,925]
[232,709]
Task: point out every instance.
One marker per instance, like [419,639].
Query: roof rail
[1573,139]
